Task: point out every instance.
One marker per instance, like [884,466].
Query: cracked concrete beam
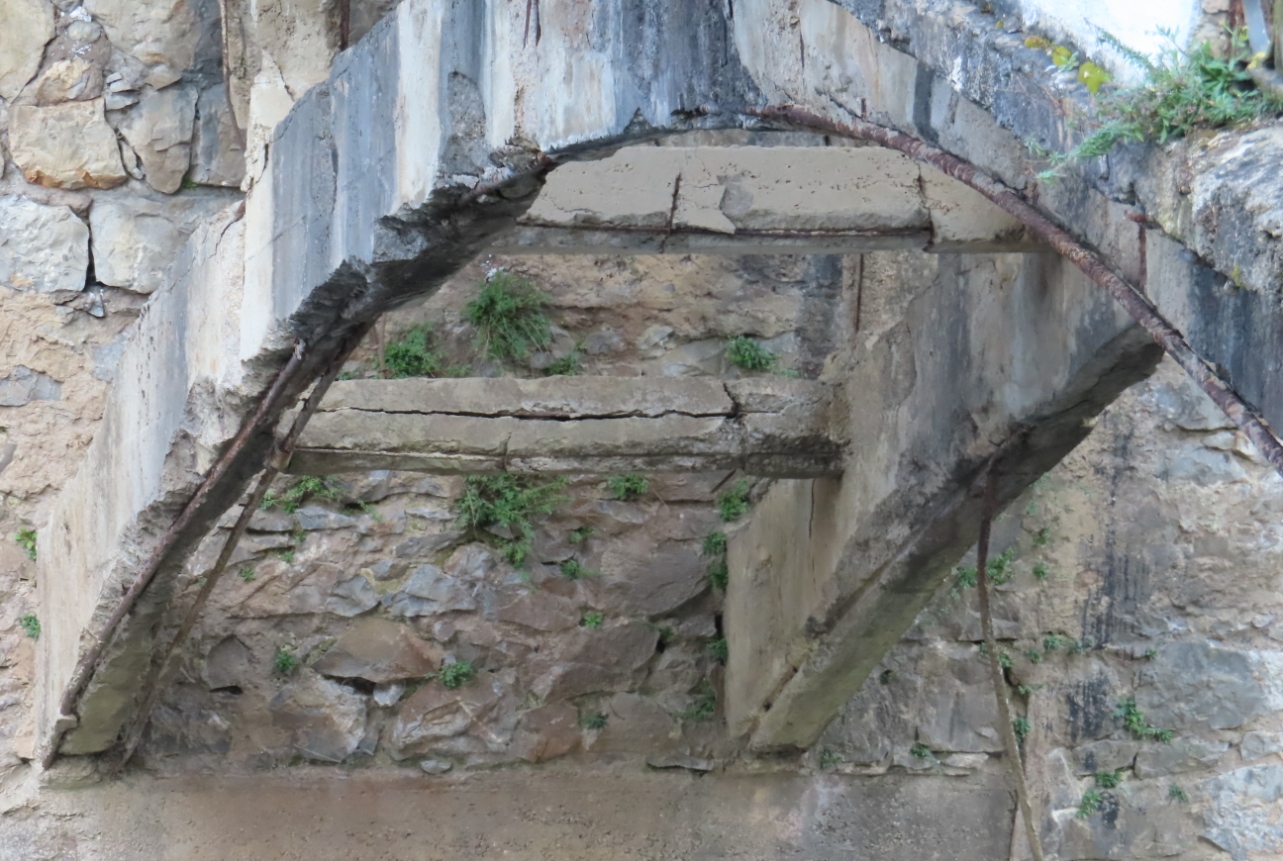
[763,426]
[760,200]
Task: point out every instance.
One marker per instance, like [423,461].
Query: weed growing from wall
[1020,726]
[26,539]
[715,549]
[456,675]
[704,707]
[568,365]
[718,650]
[592,620]
[627,487]
[284,661]
[30,626]
[748,354]
[1134,722]
[572,569]
[307,487]
[593,721]
[733,504]
[510,502]
[247,574]
[508,315]
[413,354]
[1091,802]
[1183,91]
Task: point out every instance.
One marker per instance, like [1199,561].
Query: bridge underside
[423,151]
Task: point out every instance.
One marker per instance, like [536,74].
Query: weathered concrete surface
[1001,361]
[315,815]
[328,245]
[763,426]
[759,199]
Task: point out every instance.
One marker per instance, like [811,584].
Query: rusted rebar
[1093,265]
[276,462]
[1006,726]
[89,660]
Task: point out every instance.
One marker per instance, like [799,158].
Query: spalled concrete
[430,140]
[763,426]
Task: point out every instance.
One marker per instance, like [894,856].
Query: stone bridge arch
[433,138]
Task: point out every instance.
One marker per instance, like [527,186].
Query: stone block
[159,129]
[323,720]
[1201,685]
[162,34]
[538,610]
[548,732]
[228,664]
[218,155]
[429,592]
[1243,819]
[25,385]
[69,80]
[44,249]
[65,146]
[380,651]
[352,597]
[435,713]
[28,27]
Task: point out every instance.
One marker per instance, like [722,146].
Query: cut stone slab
[160,128]
[68,80]
[574,425]
[380,651]
[43,249]
[133,239]
[65,146]
[28,27]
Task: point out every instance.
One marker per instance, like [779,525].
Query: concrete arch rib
[431,141]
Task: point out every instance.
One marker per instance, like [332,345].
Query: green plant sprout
[509,317]
[627,487]
[284,661]
[510,502]
[748,354]
[734,503]
[26,539]
[413,354]
[592,619]
[593,721]
[456,675]
[718,650]
[30,625]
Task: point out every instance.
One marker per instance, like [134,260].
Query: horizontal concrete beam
[768,426]
[759,200]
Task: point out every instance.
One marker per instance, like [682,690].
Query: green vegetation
[26,539]
[284,661]
[1034,656]
[1092,799]
[704,707]
[580,535]
[1183,91]
[1150,654]
[1042,537]
[510,502]
[1135,723]
[1020,726]
[1042,571]
[246,574]
[1079,646]
[921,751]
[628,486]
[829,759]
[718,650]
[1176,793]
[593,721]
[715,547]
[1000,571]
[456,675]
[1108,779]
[568,365]
[287,555]
[733,504]
[592,619]
[413,354]
[748,354]
[307,487]
[509,318]
[573,570]
[1052,642]
[30,625]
